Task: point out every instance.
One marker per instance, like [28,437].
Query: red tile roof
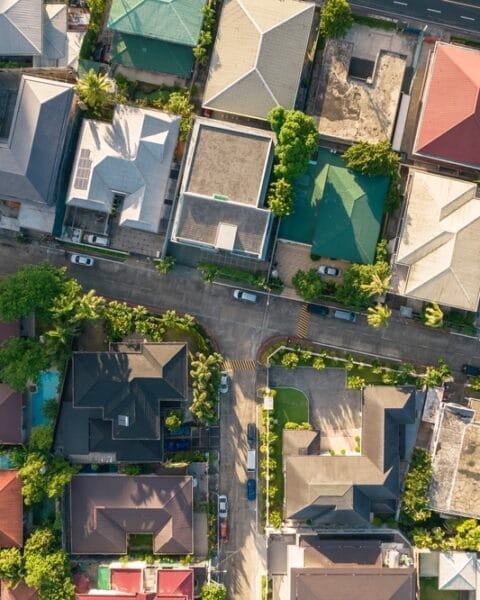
[126,580]
[11,510]
[10,416]
[175,584]
[449,127]
[21,592]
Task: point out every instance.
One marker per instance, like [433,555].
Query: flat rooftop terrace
[229,161]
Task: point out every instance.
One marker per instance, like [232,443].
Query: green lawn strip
[140,541]
[429,590]
[177,335]
[289,405]
[456,39]
[374,22]
[101,251]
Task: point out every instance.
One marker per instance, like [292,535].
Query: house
[343,491]
[360,86]
[438,250]
[112,403]
[258,56]
[11,510]
[31,151]
[33,33]
[221,205]
[124,166]
[154,35]
[11,402]
[329,567]
[338,211]
[455,485]
[140,582]
[106,509]
[20,592]
[449,124]
[458,571]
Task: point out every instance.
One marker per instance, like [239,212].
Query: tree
[280,198]
[415,500]
[360,282]
[173,421]
[290,360]
[59,474]
[474,383]
[214,591]
[205,375]
[41,439]
[355,382]
[31,288]
[372,159]
[318,363]
[44,477]
[42,541]
[379,283]
[21,361]
[179,104]
[94,89]
[120,319]
[11,566]
[165,265]
[308,284]
[433,316]
[335,19]
[437,374]
[378,315]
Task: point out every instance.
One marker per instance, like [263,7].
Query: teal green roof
[151,55]
[176,21]
[338,211]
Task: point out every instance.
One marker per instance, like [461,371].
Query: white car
[222,507]
[80,259]
[224,383]
[330,271]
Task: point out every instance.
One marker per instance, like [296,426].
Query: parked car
[222,507]
[470,370]
[318,309]
[252,434]
[80,259]
[223,531]
[98,240]
[224,383]
[251,489]
[345,315]
[330,271]
[245,296]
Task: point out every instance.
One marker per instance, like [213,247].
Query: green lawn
[289,405]
[429,590]
[140,541]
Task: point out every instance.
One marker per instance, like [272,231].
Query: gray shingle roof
[21,27]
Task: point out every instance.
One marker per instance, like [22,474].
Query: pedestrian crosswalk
[239,365]
[302,322]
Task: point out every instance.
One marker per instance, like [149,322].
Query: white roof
[258,56]
[440,241]
[131,156]
[457,571]
[55,41]
[21,27]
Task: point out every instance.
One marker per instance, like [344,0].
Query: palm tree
[378,285]
[378,315]
[93,89]
[89,307]
[433,316]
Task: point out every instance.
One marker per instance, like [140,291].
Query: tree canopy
[280,198]
[11,566]
[94,89]
[308,284]
[335,19]
[21,361]
[372,159]
[214,591]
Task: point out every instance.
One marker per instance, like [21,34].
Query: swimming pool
[46,389]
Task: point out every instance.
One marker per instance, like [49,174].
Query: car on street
[471,370]
[318,309]
[80,259]
[251,434]
[222,507]
[223,531]
[330,271]
[245,296]
[224,383]
[251,489]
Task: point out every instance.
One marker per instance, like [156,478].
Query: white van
[345,315]
[97,240]
[251,461]
[244,296]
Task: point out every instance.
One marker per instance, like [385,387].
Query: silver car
[222,507]
[80,259]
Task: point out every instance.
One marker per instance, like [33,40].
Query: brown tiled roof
[10,416]
[9,330]
[21,592]
[104,509]
[11,510]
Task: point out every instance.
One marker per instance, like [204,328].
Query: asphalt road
[461,14]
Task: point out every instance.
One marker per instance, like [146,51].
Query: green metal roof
[337,210]
[151,55]
[176,21]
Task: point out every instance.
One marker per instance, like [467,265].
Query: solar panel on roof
[84,167]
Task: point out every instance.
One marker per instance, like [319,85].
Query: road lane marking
[401,3]
[462,4]
[434,10]
[467,18]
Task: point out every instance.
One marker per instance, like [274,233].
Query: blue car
[251,489]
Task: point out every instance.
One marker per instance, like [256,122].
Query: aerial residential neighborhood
[239,300]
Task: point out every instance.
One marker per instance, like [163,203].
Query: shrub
[290,360]
[132,470]
[275,519]
[172,421]
[165,265]
[354,382]
[335,19]
[415,499]
[308,284]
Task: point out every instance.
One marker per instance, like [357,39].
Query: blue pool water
[47,389]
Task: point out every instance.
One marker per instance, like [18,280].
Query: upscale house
[343,491]
[122,169]
[448,130]
[33,130]
[348,567]
[112,403]
[154,35]
[11,510]
[258,56]
[221,204]
[437,256]
[106,509]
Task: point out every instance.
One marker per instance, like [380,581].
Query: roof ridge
[30,43]
[189,33]
[230,85]
[247,12]
[139,3]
